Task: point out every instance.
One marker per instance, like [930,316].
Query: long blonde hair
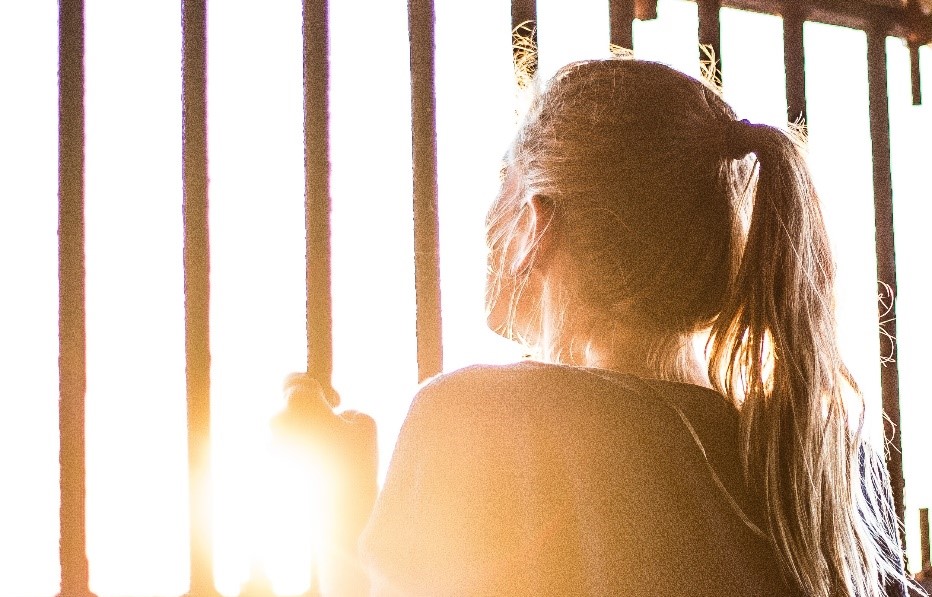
[668,228]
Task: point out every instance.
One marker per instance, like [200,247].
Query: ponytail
[774,351]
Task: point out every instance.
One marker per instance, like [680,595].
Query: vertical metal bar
[524,21]
[645,10]
[794,58]
[317,192]
[197,289]
[925,554]
[424,162]
[913,42]
[317,205]
[710,32]
[72,341]
[620,18]
[523,11]
[886,258]
[915,73]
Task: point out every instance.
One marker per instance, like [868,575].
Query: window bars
[197,288]
[794,59]
[878,18]
[886,261]
[72,358]
[317,191]
[710,33]
[424,164]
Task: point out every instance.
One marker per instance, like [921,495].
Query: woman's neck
[672,361]
[599,342]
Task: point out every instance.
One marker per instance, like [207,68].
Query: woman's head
[624,161]
[628,221]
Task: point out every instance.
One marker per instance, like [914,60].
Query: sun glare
[294,508]
[268,509]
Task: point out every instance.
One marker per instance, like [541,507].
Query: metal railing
[878,19]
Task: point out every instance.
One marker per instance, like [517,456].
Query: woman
[632,222]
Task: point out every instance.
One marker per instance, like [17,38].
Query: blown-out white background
[137,483]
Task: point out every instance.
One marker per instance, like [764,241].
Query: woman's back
[631,225]
[539,479]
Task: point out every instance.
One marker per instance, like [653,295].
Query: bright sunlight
[266,512]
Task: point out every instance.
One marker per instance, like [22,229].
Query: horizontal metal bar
[889,18]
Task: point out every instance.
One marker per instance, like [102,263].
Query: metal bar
[645,10]
[886,258]
[317,193]
[914,41]
[523,11]
[915,73]
[710,32]
[794,58]
[524,22]
[424,162]
[72,340]
[197,289]
[620,19]
[317,206]
[925,554]
[892,16]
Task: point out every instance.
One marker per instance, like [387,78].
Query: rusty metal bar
[317,193]
[925,554]
[886,258]
[524,22]
[914,40]
[317,205]
[891,15]
[72,339]
[523,11]
[645,10]
[794,58]
[197,289]
[620,19]
[424,163]
[915,73]
[710,32]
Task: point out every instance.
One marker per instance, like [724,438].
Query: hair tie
[739,138]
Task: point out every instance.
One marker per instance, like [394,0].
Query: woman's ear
[531,235]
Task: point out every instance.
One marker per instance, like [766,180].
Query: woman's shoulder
[477,391]
[521,384]
[488,376]
[534,391]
